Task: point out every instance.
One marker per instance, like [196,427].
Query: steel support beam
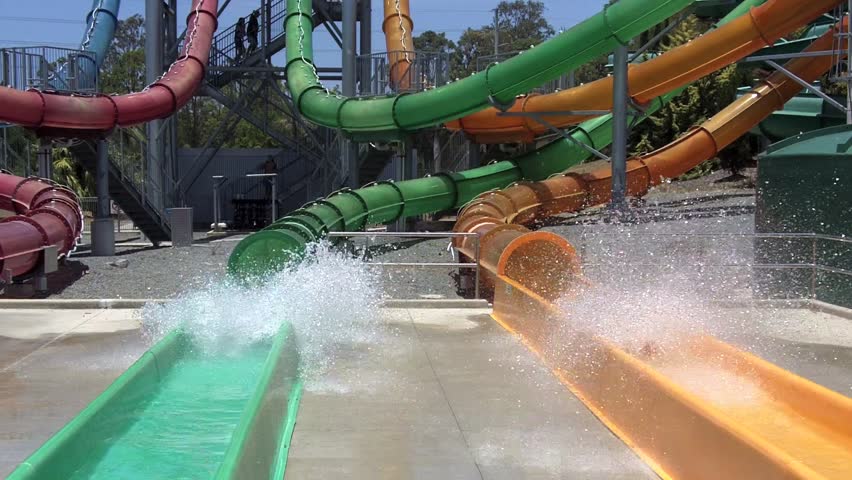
[620,129]
[366,47]
[350,27]
[45,158]
[103,228]
[154,55]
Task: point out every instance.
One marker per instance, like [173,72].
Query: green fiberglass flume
[389,117]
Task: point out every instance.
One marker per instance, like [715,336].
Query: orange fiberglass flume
[762,27]
[498,215]
[398,28]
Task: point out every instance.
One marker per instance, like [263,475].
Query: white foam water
[331,299]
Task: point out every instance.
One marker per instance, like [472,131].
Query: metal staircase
[128,189]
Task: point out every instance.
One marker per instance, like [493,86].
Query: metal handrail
[425,235]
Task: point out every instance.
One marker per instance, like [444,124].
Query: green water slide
[180,413]
[390,117]
[385,202]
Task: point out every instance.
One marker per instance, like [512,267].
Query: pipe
[762,27]
[53,114]
[392,117]
[365,49]
[386,202]
[398,28]
[45,214]
[619,129]
[504,212]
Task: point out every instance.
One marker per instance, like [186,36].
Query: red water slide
[45,214]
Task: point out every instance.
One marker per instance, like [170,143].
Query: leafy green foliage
[695,105]
[521,24]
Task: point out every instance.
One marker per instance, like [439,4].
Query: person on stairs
[252,31]
[239,39]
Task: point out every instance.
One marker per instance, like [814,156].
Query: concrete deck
[449,394]
[52,364]
[445,393]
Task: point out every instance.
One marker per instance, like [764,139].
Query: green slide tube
[382,118]
[385,202]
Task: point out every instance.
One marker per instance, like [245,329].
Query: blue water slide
[101,23]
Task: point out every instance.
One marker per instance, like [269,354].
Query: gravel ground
[704,205]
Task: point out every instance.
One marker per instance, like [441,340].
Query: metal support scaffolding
[154,55]
[350,27]
[103,228]
[620,99]
[45,158]
[366,14]
[848,34]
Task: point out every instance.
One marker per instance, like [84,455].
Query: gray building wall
[234,164]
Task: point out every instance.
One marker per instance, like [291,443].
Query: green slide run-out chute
[385,202]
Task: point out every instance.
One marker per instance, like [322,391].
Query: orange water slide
[398,28]
[762,27]
[498,215]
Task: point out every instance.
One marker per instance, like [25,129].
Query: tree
[430,41]
[696,104]
[521,25]
[123,69]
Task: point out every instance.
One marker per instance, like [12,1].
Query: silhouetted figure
[270,167]
[239,38]
[252,31]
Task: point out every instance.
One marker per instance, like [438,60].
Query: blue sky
[61,22]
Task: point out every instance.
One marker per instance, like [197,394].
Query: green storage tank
[804,186]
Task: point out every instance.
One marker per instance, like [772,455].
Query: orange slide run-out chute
[762,27]
[398,28]
[498,215]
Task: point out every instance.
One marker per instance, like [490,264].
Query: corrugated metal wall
[234,164]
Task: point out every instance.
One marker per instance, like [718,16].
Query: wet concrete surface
[52,364]
[449,394]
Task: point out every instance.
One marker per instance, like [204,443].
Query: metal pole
[216,214]
[619,129]
[154,39]
[103,233]
[5,150]
[349,79]
[496,35]
[477,272]
[849,66]
[366,43]
[45,158]
[274,181]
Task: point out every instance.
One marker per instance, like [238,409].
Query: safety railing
[226,52]
[121,221]
[417,71]
[699,254]
[48,68]
[369,238]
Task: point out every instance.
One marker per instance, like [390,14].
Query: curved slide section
[387,201]
[70,115]
[44,214]
[101,22]
[398,28]
[498,214]
[390,117]
[762,27]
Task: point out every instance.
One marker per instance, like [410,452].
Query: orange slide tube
[762,27]
[398,28]
[497,214]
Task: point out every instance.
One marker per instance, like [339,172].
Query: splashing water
[330,299]
[640,316]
